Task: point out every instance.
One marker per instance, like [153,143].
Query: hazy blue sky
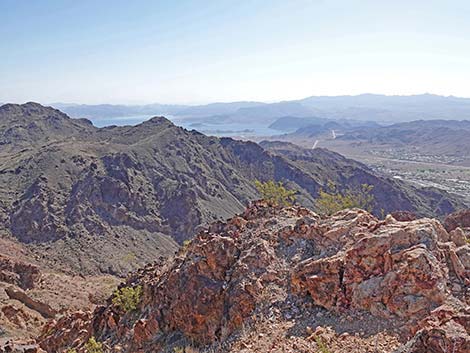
[178,51]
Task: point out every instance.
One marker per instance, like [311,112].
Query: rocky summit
[72,192]
[287,280]
[80,206]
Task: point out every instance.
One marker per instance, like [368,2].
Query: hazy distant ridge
[361,107]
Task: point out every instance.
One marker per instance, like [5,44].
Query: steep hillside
[445,137]
[287,280]
[390,194]
[74,192]
[30,293]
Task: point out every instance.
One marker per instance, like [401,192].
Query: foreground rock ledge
[292,262]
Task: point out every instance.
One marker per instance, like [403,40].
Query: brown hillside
[73,192]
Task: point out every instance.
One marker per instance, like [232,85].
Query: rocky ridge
[275,279]
[71,191]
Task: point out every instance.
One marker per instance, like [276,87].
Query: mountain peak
[159,120]
[31,109]
[32,124]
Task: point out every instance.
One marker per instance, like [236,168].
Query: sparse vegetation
[71,350]
[130,257]
[332,200]
[127,298]
[382,213]
[321,345]
[275,193]
[93,346]
[185,245]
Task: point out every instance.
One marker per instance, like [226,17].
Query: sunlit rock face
[409,272]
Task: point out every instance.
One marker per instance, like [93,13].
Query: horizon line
[2,102]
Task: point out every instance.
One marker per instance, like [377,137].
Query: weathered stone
[404,216]
[19,273]
[400,270]
[447,329]
[321,279]
[42,308]
[457,219]
[458,236]
[20,347]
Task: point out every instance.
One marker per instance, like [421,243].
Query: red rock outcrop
[43,308]
[391,271]
[407,271]
[21,347]
[447,329]
[404,216]
[19,273]
[457,219]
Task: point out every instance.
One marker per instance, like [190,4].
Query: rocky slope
[30,294]
[434,137]
[74,192]
[390,194]
[287,280]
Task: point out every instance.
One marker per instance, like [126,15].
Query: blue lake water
[215,129]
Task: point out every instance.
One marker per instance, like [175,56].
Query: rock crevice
[290,259]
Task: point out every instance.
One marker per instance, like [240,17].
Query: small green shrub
[321,345]
[275,193]
[127,298]
[93,346]
[332,200]
[130,257]
[186,244]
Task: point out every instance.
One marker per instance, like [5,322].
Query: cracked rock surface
[295,281]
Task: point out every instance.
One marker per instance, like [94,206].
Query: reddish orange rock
[268,260]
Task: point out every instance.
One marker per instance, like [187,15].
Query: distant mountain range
[443,140]
[444,137]
[74,192]
[111,110]
[318,125]
[365,107]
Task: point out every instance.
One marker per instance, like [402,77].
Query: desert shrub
[186,244]
[93,346]
[275,193]
[321,345]
[127,298]
[130,257]
[332,200]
